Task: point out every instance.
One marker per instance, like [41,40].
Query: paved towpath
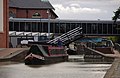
[114,71]
[9,52]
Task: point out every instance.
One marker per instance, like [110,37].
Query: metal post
[40,26]
[48,11]
[49,26]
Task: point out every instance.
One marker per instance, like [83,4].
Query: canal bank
[114,71]
[13,54]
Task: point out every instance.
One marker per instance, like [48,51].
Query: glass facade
[89,27]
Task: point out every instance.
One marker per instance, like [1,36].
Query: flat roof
[59,20]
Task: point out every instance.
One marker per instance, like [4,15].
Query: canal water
[76,67]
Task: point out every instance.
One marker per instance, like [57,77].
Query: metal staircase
[68,37]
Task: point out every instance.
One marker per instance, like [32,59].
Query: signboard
[1,15]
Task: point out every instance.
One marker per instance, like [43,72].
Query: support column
[4,29]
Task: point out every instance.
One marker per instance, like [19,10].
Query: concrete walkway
[114,71]
[7,53]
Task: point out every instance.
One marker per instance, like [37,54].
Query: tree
[115,39]
[117,15]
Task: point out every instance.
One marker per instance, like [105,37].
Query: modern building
[24,12]
[31,9]
[90,27]
[22,29]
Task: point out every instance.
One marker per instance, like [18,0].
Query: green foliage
[114,38]
[117,15]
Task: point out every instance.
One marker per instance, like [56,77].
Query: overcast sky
[85,9]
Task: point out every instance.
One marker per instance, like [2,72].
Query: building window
[100,28]
[36,15]
[11,26]
[89,28]
[11,14]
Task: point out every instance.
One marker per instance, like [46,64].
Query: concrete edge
[110,73]
[7,58]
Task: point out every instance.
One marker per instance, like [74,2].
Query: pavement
[114,71]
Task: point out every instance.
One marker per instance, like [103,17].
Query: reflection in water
[59,70]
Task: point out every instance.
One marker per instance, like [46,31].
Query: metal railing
[68,37]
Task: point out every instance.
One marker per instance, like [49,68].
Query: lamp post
[48,12]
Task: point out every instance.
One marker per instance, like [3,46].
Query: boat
[98,50]
[45,54]
[52,51]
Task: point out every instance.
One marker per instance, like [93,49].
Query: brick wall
[28,13]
